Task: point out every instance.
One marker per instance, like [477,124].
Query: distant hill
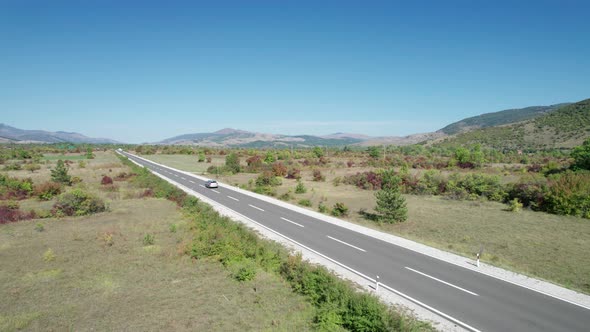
[564,127]
[10,134]
[239,138]
[499,118]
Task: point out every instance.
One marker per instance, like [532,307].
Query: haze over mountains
[561,125]
[10,134]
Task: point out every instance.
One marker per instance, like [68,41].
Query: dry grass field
[95,273]
[551,247]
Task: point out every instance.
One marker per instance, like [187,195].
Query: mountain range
[537,127]
[10,134]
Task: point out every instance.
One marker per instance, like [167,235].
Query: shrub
[515,205]
[32,167]
[350,163]
[82,164]
[172,228]
[279,169]
[339,209]
[305,202]
[49,255]
[10,212]
[317,175]
[78,203]
[365,180]
[267,178]
[286,196]
[232,163]
[60,174]
[47,190]
[14,188]
[123,176]
[322,208]
[149,240]
[568,194]
[294,173]
[245,271]
[13,167]
[39,227]
[254,163]
[581,155]
[300,188]
[106,180]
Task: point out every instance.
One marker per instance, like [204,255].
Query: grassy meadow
[97,272]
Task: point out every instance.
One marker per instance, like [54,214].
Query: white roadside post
[477,259]
[377,284]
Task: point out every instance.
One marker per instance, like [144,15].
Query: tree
[60,173]
[270,157]
[318,152]
[201,156]
[89,154]
[462,155]
[232,162]
[374,152]
[581,155]
[391,205]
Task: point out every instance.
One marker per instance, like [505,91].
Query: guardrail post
[377,284]
[477,259]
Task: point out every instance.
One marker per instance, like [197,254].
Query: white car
[211,184]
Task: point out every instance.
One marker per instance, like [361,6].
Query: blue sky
[142,71]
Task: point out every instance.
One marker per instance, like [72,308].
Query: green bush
[568,194]
[322,208]
[14,188]
[305,202]
[78,203]
[515,205]
[47,190]
[149,240]
[300,188]
[339,210]
[245,271]
[232,163]
[267,178]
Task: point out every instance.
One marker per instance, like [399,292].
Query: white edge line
[256,207]
[348,244]
[424,305]
[235,199]
[294,223]
[441,281]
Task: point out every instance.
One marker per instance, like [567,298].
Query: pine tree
[60,173]
[391,205]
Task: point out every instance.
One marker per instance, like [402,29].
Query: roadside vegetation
[505,189]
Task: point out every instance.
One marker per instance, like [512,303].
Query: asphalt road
[479,301]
